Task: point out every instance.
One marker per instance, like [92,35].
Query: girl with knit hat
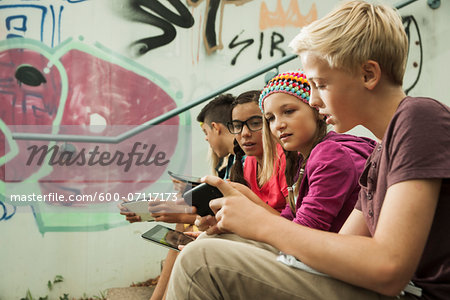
[322,167]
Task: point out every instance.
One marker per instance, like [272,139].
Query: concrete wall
[96,72]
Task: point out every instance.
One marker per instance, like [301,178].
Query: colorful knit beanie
[292,83]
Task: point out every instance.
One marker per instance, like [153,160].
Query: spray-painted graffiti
[5,214]
[154,13]
[61,91]
[32,21]
[211,39]
[275,40]
[415,55]
[281,17]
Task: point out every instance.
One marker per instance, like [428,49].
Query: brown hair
[217,110]
[237,171]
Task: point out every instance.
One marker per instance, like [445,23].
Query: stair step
[130,293]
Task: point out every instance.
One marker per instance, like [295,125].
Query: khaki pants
[229,267]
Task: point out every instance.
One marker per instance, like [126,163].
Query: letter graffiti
[234,44]
[32,20]
[275,40]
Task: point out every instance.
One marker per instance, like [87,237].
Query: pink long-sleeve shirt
[329,189]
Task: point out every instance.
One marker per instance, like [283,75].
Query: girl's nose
[246,131]
[279,124]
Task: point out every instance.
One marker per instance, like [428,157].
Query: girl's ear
[371,72]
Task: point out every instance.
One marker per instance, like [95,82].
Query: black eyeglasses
[255,123]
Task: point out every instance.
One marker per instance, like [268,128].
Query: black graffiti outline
[407,24]
[275,40]
[233,44]
[274,44]
[261,42]
[164,21]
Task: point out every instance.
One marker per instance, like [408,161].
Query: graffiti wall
[100,68]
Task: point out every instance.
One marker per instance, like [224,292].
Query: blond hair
[270,154]
[354,33]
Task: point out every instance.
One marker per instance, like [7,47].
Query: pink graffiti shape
[120,98]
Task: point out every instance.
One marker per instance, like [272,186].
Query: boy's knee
[196,254]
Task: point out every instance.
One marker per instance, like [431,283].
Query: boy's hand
[234,211]
[208,224]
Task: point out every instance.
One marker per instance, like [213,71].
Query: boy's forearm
[354,259]
[268,207]
[383,263]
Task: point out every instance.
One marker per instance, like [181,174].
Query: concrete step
[130,293]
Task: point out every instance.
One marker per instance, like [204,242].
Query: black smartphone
[167,237]
[200,196]
[185,178]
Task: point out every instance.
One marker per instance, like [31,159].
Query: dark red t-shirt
[416,145]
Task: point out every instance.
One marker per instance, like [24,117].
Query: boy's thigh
[232,269]
[236,238]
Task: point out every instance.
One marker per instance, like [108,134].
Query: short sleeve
[419,146]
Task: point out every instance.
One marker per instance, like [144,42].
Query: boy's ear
[216,127]
[371,73]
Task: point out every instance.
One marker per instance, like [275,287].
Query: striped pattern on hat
[292,83]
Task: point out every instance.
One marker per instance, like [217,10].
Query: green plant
[58,279]
[102,296]
[50,284]
[65,297]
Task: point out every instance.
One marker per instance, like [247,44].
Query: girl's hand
[193,234]
[175,217]
[172,211]
[178,185]
[129,216]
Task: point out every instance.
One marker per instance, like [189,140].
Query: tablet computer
[140,208]
[185,178]
[167,237]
